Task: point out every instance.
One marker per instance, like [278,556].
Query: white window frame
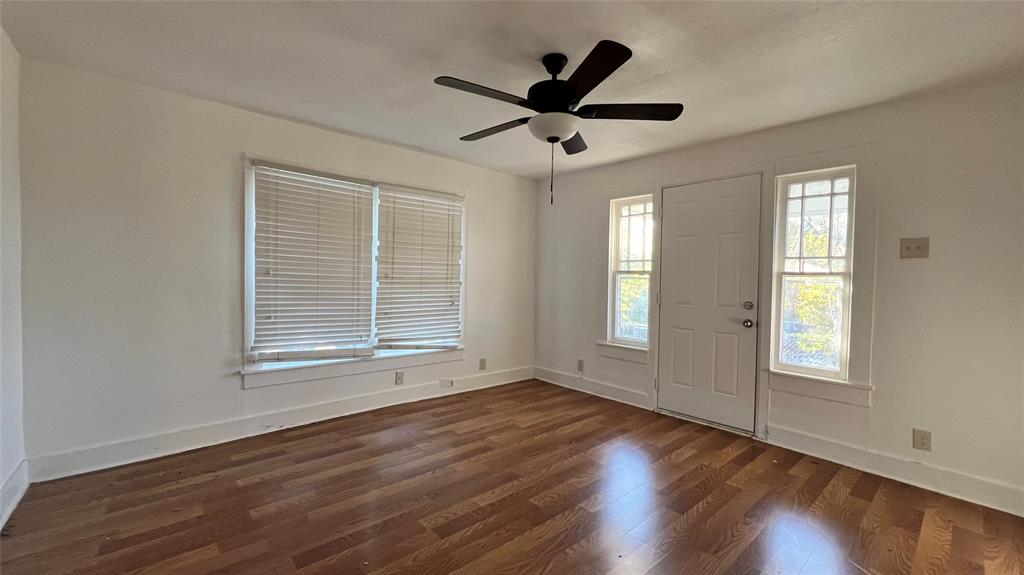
[779,256]
[614,271]
[249,280]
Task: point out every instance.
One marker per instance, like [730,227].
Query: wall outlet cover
[399,377]
[483,363]
[579,365]
[447,383]
[911,248]
[922,439]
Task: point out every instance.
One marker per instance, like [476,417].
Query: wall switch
[913,248]
[399,377]
[483,363]
[579,365]
[922,439]
[447,383]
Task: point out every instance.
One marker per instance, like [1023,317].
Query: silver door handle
[748,305]
[748,323]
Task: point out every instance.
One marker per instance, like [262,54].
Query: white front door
[707,343]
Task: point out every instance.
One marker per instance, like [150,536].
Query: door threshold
[716,425]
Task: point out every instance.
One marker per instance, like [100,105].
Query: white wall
[948,332]
[13,476]
[133,225]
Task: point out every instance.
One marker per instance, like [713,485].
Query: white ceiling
[367,67]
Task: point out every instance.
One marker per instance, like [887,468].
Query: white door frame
[654,319]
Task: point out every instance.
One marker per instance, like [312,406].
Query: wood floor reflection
[523,478]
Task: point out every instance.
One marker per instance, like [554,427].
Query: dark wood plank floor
[523,478]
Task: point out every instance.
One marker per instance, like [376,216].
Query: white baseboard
[981,490]
[594,387]
[13,490]
[56,465]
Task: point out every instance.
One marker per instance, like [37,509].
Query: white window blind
[419,267]
[312,259]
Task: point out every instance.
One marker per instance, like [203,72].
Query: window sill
[276,373]
[849,392]
[622,352]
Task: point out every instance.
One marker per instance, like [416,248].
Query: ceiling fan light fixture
[553,127]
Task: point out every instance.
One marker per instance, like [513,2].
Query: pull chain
[551,182]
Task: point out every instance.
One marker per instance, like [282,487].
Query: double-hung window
[632,241]
[813,263]
[337,267]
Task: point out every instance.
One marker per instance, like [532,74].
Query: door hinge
[658,298]
[656,384]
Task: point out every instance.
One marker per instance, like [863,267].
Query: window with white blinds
[312,247]
[419,268]
[338,268]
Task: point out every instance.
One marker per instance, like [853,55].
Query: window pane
[793,229]
[837,265]
[839,225]
[623,240]
[812,316]
[649,236]
[815,265]
[817,188]
[795,190]
[842,185]
[636,237]
[624,211]
[631,301]
[791,266]
[649,208]
[636,208]
[815,227]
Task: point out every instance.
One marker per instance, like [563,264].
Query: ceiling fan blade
[663,112]
[479,90]
[574,145]
[604,59]
[494,130]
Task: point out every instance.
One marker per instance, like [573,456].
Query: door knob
[748,323]
[748,305]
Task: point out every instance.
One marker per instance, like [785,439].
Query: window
[813,262]
[632,241]
[340,268]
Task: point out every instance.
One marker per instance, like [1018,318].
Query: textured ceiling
[367,67]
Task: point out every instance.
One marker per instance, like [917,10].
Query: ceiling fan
[556,101]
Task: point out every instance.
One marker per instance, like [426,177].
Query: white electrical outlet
[483,363]
[579,365]
[399,377]
[922,439]
[447,383]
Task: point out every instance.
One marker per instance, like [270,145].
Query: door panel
[709,238]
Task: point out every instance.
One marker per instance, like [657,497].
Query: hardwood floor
[523,478]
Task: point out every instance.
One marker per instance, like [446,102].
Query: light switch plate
[913,248]
[579,365]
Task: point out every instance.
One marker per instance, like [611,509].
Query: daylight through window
[813,272]
[632,241]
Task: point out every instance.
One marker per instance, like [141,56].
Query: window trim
[782,182]
[386,352]
[613,273]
